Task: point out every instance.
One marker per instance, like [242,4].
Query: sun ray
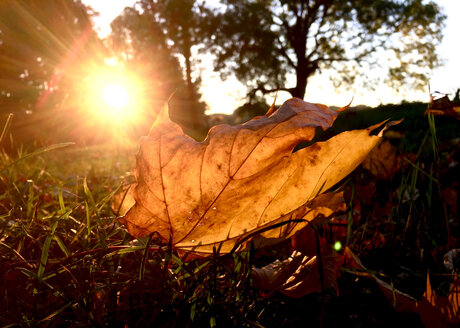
[114,95]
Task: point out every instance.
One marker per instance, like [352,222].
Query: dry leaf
[438,311]
[382,161]
[241,179]
[304,271]
[441,105]
[123,200]
[451,258]
[299,275]
[435,311]
[401,301]
[327,205]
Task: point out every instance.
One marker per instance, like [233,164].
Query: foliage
[265,42]
[256,107]
[152,36]
[43,47]
[64,259]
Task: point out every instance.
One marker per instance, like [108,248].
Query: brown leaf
[438,311]
[401,301]
[300,274]
[123,200]
[326,207]
[434,310]
[382,161]
[304,271]
[241,179]
[441,105]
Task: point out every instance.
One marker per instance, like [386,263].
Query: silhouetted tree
[45,49]
[40,44]
[257,106]
[140,41]
[264,41]
[157,34]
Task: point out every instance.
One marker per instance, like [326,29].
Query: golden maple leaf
[241,180]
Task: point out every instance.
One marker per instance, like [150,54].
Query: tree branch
[286,55]
[260,87]
[318,32]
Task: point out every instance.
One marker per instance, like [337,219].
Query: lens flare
[116,96]
[113,95]
[337,246]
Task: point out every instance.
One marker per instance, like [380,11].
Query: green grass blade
[37,152]
[55,313]
[88,193]
[61,201]
[100,231]
[61,245]
[44,257]
[144,258]
[45,250]
[129,249]
[419,169]
[88,221]
[6,127]
[434,139]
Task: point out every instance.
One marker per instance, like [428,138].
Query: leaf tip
[383,126]
[162,117]
[271,110]
[344,108]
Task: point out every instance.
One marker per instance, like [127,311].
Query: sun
[113,95]
[116,96]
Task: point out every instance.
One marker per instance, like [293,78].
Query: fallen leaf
[327,206]
[300,274]
[439,311]
[401,301]
[313,265]
[123,200]
[441,105]
[240,180]
[434,310]
[382,161]
[452,259]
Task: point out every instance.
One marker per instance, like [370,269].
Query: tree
[171,27]
[43,47]
[39,44]
[181,20]
[258,106]
[140,41]
[265,42]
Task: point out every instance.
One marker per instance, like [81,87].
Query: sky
[225,96]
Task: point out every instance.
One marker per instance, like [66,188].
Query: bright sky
[225,96]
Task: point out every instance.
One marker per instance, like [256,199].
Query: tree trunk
[304,70]
[300,87]
[301,82]
[192,101]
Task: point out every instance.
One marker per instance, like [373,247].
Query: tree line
[47,47]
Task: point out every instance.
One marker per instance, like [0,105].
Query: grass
[65,259]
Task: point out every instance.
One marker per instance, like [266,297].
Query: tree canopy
[46,48]
[40,44]
[264,43]
[158,36]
